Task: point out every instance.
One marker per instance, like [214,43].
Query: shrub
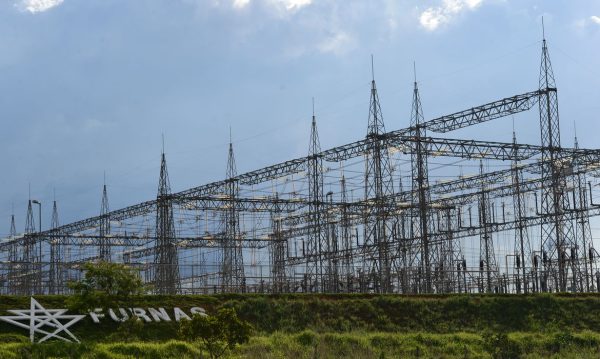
[217,333]
[104,285]
[500,346]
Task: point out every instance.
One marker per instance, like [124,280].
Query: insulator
[535,261]
[464,262]
[591,254]
[518,262]
[544,257]
[573,254]
[481,265]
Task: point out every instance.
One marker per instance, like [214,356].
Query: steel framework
[390,213]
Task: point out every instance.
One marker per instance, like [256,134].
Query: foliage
[13,338]
[294,313]
[217,333]
[104,285]
[500,346]
[352,345]
[130,330]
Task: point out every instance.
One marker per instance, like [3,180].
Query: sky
[89,88]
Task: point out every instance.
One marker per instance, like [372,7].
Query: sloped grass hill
[356,313]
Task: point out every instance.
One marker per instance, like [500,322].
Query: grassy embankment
[353,326]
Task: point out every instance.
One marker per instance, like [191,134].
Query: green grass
[350,326]
[308,344]
[343,313]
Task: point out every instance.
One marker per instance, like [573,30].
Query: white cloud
[295,4]
[595,19]
[284,5]
[35,6]
[240,4]
[338,44]
[433,17]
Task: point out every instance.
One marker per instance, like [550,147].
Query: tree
[217,333]
[105,285]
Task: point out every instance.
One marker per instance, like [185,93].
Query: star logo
[36,318]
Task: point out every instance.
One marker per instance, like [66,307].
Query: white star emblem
[38,317]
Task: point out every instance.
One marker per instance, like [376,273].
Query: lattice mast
[29,277]
[584,230]
[314,276]
[346,238]
[557,232]
[420,191]
[378,221]
[232,271]
[278,247]
[13,258]
[104,254]
[166,273]
[55,273]
[523,253]
[487,258]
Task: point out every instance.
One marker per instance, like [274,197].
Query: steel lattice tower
[29,276]
[346,238]
[556,234]
[584,240]
[278,253]
[315,277]
[166,273]
[378,184]
[420,189]
[55,273]
[232,271]
[487,258]
[13,258]
[523,253]
[104,254]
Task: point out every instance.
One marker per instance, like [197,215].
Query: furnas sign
[44,324]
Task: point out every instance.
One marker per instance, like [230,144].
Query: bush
[217,333]
[500,346]
[104,285]
[13,338]
[307,338]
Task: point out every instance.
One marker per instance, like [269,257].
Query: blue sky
[90,86]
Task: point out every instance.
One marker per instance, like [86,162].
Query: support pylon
[13,259]
[55,274]
[420,190]
[557,232]
[232,268]
[378,221]
[166,272]
[487,258]
[104,250]
[28,278]
[523,253]
[315,274]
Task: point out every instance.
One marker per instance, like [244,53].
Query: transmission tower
[523,253]
[557,233]
[166,274]
[232,271]
[28,278]
[487,258]
[55,272]
[420,190]
[584,241]
[378,184]
[13,258]
[278,252]
[314,276]
[104,250]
